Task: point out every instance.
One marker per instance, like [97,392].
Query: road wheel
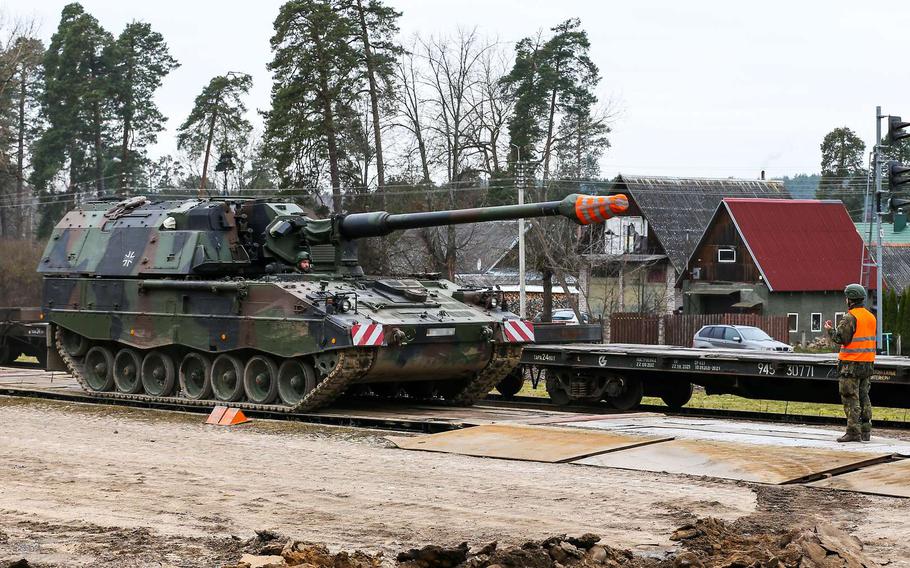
[512,383]
[227,378]
[557,384]
[127,366]
[195,376]
[260,380]
[158,374]
[74,344]
[631,395]
[99,368]
[676,395]
[296,379]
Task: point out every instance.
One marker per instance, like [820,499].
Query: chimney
[763,175]
[900,221]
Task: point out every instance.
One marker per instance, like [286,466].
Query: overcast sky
[719,88]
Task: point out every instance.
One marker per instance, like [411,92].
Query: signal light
[896,203]
[895,171]
[895,129]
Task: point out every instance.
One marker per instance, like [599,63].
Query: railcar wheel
[158,375]
[74,344]
[227,378]
[677,395]
[557,384]
[127,366]
[99,369]
[295,380]
[630,397]
[195,376]
[512,383]
[260,380]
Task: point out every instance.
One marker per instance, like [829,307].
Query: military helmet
[855,292]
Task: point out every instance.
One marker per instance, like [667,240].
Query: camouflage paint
[222,276]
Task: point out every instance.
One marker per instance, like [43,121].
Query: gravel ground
[89,485]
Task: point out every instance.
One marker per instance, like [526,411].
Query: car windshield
[754,334]
[563,315]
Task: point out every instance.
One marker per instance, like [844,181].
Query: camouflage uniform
[855,380]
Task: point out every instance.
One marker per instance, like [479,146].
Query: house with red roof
[775,257]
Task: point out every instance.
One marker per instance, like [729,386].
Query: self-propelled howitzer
[254,304]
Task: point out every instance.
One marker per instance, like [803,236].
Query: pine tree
[377,28]
[76,106]
[317,76]
[19,124]
[843,174]
[217,117]
[550,79]
[138,61]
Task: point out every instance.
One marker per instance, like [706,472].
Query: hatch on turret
[412,290]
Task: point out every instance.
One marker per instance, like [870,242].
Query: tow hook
[398,338]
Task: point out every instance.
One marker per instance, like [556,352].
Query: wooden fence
[635,328]
[679,329]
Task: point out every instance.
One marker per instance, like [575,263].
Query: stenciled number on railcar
[800,371]
[766,369]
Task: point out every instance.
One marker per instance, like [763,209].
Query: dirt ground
[84,485]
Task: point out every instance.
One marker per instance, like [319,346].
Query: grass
[733,402]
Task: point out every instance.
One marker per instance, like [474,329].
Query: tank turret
[137,237]
[254,304]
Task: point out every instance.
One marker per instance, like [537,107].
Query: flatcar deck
[666,371]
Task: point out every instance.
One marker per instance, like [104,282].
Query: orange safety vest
[862,347]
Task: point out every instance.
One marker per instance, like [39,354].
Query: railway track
[19,380]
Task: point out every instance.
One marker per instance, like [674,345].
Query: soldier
[856,335]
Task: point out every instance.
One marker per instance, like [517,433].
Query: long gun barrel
[583,209]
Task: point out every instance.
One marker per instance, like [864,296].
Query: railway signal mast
[897,176]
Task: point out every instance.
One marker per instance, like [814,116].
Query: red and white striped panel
[518,331]
[367,334]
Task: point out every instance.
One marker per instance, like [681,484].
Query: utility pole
[877,163]
[520,181]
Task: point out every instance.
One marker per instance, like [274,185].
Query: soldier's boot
[865,434]
[850,437]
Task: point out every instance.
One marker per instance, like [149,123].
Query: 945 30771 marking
[803,371]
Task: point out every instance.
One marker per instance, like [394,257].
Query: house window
[793,322]
[726,255]
[816,322]
[837,317]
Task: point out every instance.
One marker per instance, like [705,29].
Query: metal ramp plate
[744,462]
[892,478]
[524,442]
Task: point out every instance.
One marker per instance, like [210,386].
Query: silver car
[737,337]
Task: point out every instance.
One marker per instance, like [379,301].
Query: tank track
[352,364]
[498,367]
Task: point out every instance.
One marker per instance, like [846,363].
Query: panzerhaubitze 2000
[254,304]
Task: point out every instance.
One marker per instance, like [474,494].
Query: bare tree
[492,109]
[411,104]
[453,66]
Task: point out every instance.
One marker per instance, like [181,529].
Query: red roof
[799,244]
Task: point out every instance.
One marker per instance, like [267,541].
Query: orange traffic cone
[224,416]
